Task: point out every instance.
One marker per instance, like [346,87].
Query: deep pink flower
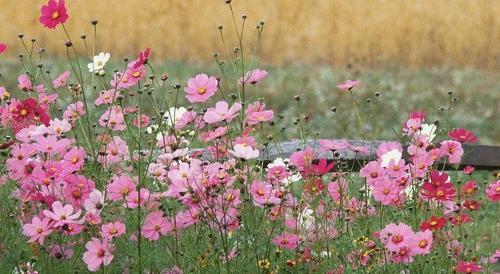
[98,253]
[38,229]
[348,85]
[221,112]
[467,267]
[287,240]
[53,14]
[253,76]
[3,47]
[142,58]
[302,159]
[338,189]
[434,223]
[61,80]
[462,135]
[155,225]
[201,88]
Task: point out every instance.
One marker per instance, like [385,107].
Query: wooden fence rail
[481,157]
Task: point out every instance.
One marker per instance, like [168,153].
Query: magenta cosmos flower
[3,47]
[53,14]
[98,253]
[462,135]
[348,85]
[201,88]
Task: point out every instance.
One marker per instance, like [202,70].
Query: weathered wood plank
[482,157]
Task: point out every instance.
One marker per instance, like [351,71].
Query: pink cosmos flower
[462,135]
[38,229]
[98,253]
[107,97]
[53,14]
[95,202]
[135,199]
[338,189]
[111,230]
[348,85]
[372,171]
[422,242]
[302,159]
[395,236]
[263,194]
[61,80]
[453,150]
[74,111]
[221,112]
[24,82]
[260,117]
[244,152]
[286,240]
[493,191]
[62,214]
[333,145]
[385,191]
[144,121]
[113,119]
[253,76]
[155,225]
[3,47]
[61,252]
[142,58]
[201,88]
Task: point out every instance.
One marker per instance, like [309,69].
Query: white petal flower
[390,155]
[429,131]
[99,61]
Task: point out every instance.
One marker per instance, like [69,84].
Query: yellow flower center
[202,91]
[55,15]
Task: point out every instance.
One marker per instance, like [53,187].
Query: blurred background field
[411,52]
[463,33]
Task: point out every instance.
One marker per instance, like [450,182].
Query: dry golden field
[418,33]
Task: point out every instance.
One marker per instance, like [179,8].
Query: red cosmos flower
[321,168]
[53,14]
[438,178]
[469,170]
[28,112]
[462,135]
[444,192]
[469,188]
[3,47]
[434,223]
[467,267]
[460,219]
[472,205]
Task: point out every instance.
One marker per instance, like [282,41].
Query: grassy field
[368,32]
[401,91]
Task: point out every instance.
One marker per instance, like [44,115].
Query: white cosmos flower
[98,62]
[429,131]
[390,155]
[173,115]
